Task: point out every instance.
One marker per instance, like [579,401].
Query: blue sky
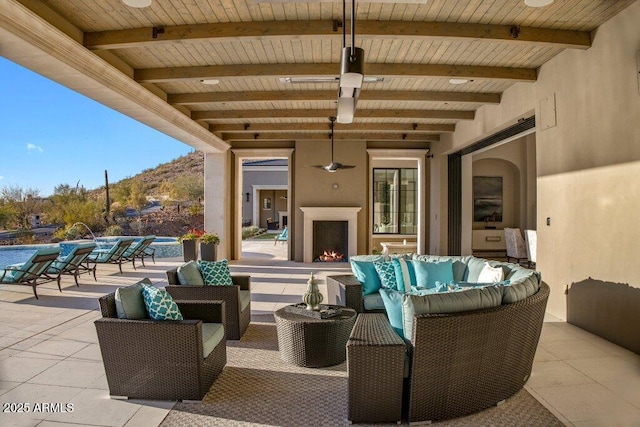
[51,135]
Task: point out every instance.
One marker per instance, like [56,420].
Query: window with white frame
[395,201]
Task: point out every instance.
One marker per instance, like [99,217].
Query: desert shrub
[113,230]
[195,209]
[25,237]
[60,234]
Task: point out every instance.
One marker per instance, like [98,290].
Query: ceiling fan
[333,166]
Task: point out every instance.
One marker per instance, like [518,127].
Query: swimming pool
[18,253]
[165,247]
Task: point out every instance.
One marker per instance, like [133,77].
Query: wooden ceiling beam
[135,37]
[315,127]
[330,95]
[173,74]
[269,136]
[305,113]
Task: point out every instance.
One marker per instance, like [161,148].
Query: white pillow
[490,274]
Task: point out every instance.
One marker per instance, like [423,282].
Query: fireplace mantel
[324,213]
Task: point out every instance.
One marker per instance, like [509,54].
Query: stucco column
[216,199]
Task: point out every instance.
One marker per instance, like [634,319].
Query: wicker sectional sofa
[460,362]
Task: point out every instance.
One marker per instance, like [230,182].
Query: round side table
[311,342]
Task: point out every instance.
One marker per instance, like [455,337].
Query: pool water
[14,256]
[165,247]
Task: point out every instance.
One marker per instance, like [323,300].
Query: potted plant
[188,240]
[208,243]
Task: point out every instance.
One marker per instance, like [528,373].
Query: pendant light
[351,69]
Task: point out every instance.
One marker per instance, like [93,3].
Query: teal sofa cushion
[160,305]
[393,305]
[366,274]
[474,268]
[449,302]
[405,274]
[428,273]
[216,273]
[459,264]
[189,274]
[130,301]
[212,334]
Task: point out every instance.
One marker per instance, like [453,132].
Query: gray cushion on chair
[130,302]
[189,274]
[245,299]
[212,333]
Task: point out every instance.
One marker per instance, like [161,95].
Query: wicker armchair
[468,361]
[238,318]
[160,359]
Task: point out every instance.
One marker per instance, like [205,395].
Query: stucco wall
[588,165]
[314,187]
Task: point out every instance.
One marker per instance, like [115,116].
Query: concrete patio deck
[49,351]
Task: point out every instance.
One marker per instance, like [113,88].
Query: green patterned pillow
[160,305]
[387,274]
[216,273]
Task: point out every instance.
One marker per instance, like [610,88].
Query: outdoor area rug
[257,388]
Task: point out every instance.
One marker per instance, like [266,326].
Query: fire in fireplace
[331,256]
[330,241]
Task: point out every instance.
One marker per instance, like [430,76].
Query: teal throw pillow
[428,273]
[387,274]
[216,273]
[189,274]
[130,302]
[160,305]
[366,274]
[393,305]
[405,274]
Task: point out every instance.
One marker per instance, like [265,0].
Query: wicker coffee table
[314,343]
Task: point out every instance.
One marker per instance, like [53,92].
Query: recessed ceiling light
[538,3]
[458,81]
[210,81]
[138,3]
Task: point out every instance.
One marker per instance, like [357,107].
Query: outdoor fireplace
[330,241]
[348,215]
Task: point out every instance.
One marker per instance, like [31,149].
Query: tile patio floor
[49,350]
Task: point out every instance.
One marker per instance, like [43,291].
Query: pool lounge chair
[32,272]
[282,237]
[114,255]
[140,249]
[72,263]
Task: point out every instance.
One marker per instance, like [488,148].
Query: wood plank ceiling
[249,45]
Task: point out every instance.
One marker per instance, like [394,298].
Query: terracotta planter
[189,250]
[208,251]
